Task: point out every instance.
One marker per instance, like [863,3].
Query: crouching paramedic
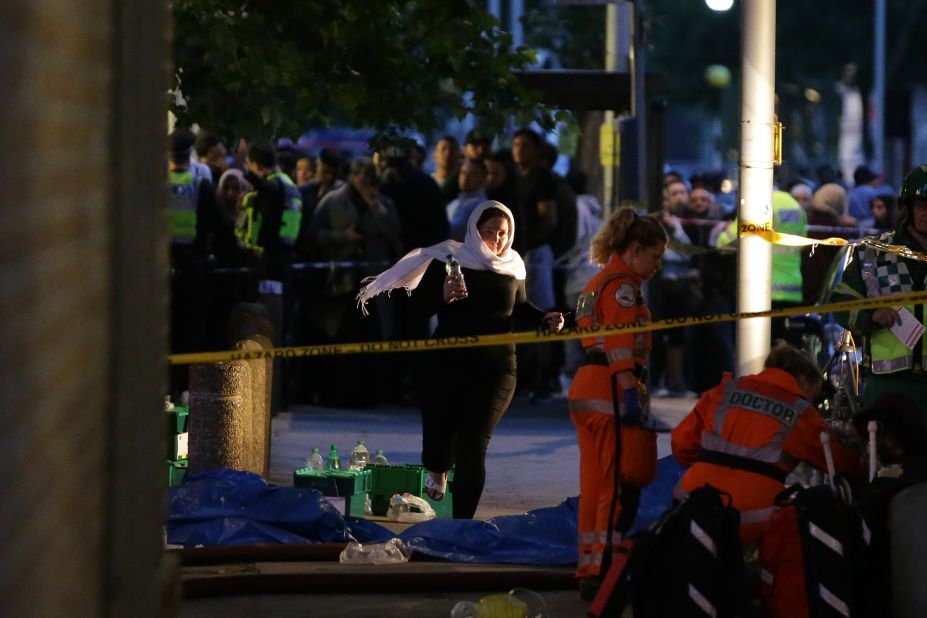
[609,384]
[744,436]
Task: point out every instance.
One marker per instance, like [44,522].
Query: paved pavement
[533,459]
[532,462]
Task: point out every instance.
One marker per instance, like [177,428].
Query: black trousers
[464,394]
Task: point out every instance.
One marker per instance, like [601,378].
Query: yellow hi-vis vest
[184,199]
[885,274]
[248,227]
[788,218]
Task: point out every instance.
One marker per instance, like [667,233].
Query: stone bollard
[260,374]
[217,416]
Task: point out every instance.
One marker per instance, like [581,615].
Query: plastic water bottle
[315,461]
[380,459]
[334,462]
[359,457]
[452,267]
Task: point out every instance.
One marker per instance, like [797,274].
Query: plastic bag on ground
[393,551]
[518,603]
[409,509]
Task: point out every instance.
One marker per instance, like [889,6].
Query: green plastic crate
[352,485]
[389,480]
[177,471]
[334,482]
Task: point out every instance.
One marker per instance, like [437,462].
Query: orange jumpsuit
[744,436]
[611,299]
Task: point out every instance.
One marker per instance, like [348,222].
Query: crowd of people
[290,235]
[293,233]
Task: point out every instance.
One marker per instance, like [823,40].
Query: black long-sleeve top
[496,304]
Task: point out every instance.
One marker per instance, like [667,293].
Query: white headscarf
[472,253]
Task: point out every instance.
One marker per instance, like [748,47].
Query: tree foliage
[267,69]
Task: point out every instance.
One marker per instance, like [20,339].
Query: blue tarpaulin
[227,507]
[544,536]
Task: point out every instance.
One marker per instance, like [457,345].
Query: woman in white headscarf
[465,391]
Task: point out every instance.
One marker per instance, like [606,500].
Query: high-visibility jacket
[744,436]
[249,226]
[882,274]
[183,205]
[612,299]
[788,218]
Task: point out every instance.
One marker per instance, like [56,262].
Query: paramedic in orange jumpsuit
[630,248]
[744,436]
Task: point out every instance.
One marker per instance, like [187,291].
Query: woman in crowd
[465,391]
[608,401]
[230,193]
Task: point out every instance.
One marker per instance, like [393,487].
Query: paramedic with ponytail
[608,401]
[465,391]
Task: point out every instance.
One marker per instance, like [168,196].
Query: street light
[719,5]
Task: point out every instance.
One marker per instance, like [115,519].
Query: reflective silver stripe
[678,492]
[825,538]
[868,272]
[892,365]
[867,533]
[834,601]
[703,538]
[598,538]
[591,405]
[766,577]
[590,559]
[757,516]
[619,354]
[768,453]
[703,603]
[721,410]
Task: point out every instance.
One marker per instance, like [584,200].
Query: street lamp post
[754,256]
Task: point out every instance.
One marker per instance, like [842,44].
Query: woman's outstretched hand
[554,321]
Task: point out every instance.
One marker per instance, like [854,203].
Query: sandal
[433,488]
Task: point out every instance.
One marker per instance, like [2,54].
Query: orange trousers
[596,433]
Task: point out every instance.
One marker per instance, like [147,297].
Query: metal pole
[754,257]
[878,88]
[608,123]
[639,94]
[516,10]
[495,8]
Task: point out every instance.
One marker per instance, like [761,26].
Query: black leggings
[464,395]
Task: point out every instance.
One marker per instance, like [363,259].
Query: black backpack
[689,563]
[817,533]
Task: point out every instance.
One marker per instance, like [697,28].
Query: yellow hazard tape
[419,345]
[766,232]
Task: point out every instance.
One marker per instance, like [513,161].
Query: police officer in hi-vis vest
[889,364]
[191,208]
